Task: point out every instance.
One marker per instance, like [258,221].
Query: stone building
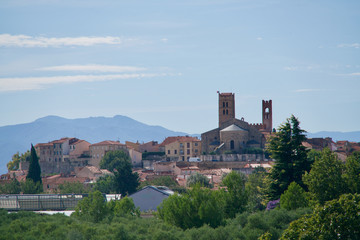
[98,150]
[181,148]
[233,134]
[62,156]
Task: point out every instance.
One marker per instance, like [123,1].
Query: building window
[227,112]
[175,151]
[188,145]
[196,144]
[223,112]
[168,151]
[227,105]
[188,151]
[232,144]
[196,150]
[223,104]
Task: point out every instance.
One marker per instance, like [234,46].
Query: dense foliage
[294,197]
[290,155]
[123,181]
[29,225]
[197,178]
[325,181]
[337,219]
[34,173]
[13,165]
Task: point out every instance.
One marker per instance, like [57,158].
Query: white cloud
[164,40]
[349,45]
[354,74]
[7,40]
[32,83]
[259,38]
[291,68]
[93,68]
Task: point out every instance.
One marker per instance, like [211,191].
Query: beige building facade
[98,150]
[183,148]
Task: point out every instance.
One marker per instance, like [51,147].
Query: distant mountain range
[18,138]
[337,136]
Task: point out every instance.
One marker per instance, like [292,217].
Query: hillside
[93,129]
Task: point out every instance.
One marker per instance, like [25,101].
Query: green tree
[194,209]
[290,155]
[106,184]
[198,178]
[325,181]
[31,187]
[13,165]
[294,197]
[237,198]
[119,162]
[125,207]
[352,173]
[337,219]
[256,187]
[92,208]
[114,160]
[72,187]
[34,172]
[13,187]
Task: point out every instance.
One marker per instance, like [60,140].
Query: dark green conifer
[34,168]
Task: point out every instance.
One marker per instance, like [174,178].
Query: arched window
[267,110]
[232,144]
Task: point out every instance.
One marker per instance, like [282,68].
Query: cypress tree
[34,168]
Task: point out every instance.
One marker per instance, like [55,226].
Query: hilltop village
[234,145]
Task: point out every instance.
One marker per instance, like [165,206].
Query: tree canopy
[13,165]
[33,178]
[124,180]
[337,219]
[325,181]
[294,197]
[237,197]
[198,178]
[290,155]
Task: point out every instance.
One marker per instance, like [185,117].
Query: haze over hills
[18,138]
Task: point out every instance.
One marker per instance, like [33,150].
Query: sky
[161,62]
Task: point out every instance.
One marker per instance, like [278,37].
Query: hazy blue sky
[162,62]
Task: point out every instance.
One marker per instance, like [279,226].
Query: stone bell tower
[226,107]
[267,115]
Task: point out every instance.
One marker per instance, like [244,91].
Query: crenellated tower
[267,115]
[226,107]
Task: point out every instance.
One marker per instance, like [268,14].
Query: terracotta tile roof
[43,145]
[169,140]
[108,142]
[62,140]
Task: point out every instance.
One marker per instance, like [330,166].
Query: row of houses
[66,154]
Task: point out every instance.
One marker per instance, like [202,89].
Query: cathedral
[236,135]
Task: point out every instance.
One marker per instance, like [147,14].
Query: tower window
[227,112]
[223,112]
[267,110]
[232,144]
[223,104]
[227,105]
